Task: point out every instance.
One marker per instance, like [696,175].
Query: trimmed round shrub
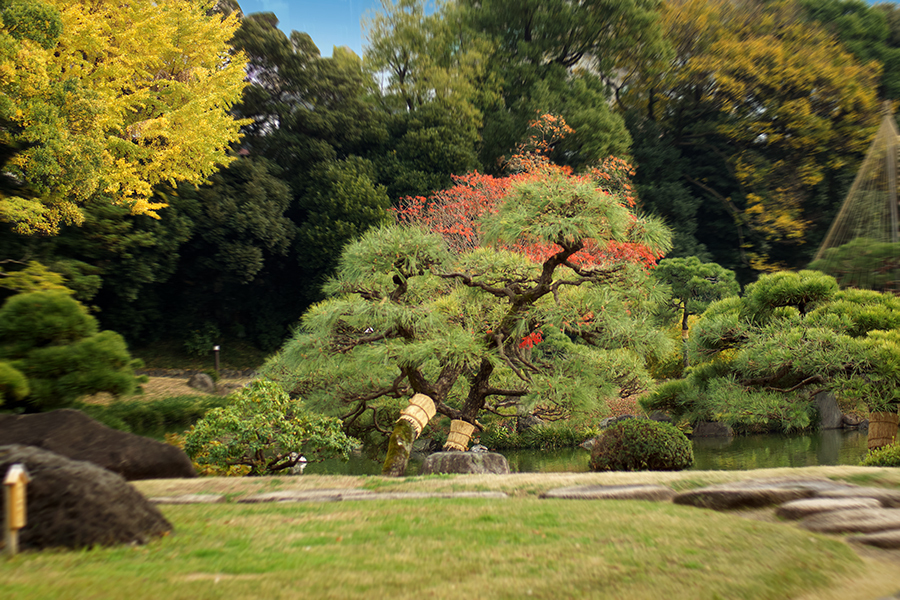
[886,456]
[642,445]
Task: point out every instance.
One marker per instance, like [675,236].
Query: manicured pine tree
[548,309]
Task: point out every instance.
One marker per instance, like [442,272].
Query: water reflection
[832,447]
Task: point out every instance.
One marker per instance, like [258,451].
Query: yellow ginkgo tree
[113,98]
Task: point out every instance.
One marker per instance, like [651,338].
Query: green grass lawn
[444,548]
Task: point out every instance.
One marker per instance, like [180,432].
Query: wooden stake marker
[14,499]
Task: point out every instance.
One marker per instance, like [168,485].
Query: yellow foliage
[132,95]
[790,100]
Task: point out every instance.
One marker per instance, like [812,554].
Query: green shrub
[886,456]
[155,418]
[52,341]
[502,435]
[99,413]
[642,445]
[266,431]
[551,436]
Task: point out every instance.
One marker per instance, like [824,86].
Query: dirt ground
[163,387]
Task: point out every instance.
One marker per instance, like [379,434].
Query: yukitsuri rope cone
[862,248]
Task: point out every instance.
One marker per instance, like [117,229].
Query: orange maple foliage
[455,212]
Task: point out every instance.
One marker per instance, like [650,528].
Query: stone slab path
[818,505]
[321,496]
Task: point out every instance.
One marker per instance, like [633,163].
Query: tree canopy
[535,316]
[114,99]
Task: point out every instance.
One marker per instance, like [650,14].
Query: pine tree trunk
[399,449]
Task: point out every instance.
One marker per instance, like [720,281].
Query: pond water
[832,447]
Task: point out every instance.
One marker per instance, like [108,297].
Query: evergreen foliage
[554,314]
[641,445]
[264,430]
[886,456]
[50,339]
[760,359]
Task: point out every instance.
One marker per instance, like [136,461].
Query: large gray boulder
[202,382]
[465,462]
[75,435]
[705,429]
[830,414]
[76,504]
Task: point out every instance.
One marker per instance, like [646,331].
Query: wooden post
[14,498]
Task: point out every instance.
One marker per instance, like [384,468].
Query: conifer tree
[549,311]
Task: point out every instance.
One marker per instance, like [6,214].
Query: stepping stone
[424,495]
[757,493]
[798,509]
[888,498]
[728,498]
[348,495]
[306,496]
[863,520]
[612,492]
[188,499]
[883,539]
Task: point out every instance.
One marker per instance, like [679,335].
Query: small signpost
[14,499]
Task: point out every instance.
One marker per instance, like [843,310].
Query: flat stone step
[798,509]
[863,520]
[425,495]
[612,492]
[348,495]
[888,498]
[305,496]
[188,499]
[883,539]
[757,493]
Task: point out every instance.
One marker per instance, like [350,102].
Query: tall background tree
[115,109]
[761,112]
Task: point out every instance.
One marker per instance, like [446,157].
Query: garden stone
[76,504]
[887,498]
[830,415]
[712,429]
[425,445]
[73,434]
[863,520]
[526,422]
[883,539]
[850,421]
[482,463]
[189,499]
[798,509]
[202,382]
[658,415]
[756,493]
[657,493]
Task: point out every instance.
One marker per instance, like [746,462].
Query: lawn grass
[517,547]
[444,548]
